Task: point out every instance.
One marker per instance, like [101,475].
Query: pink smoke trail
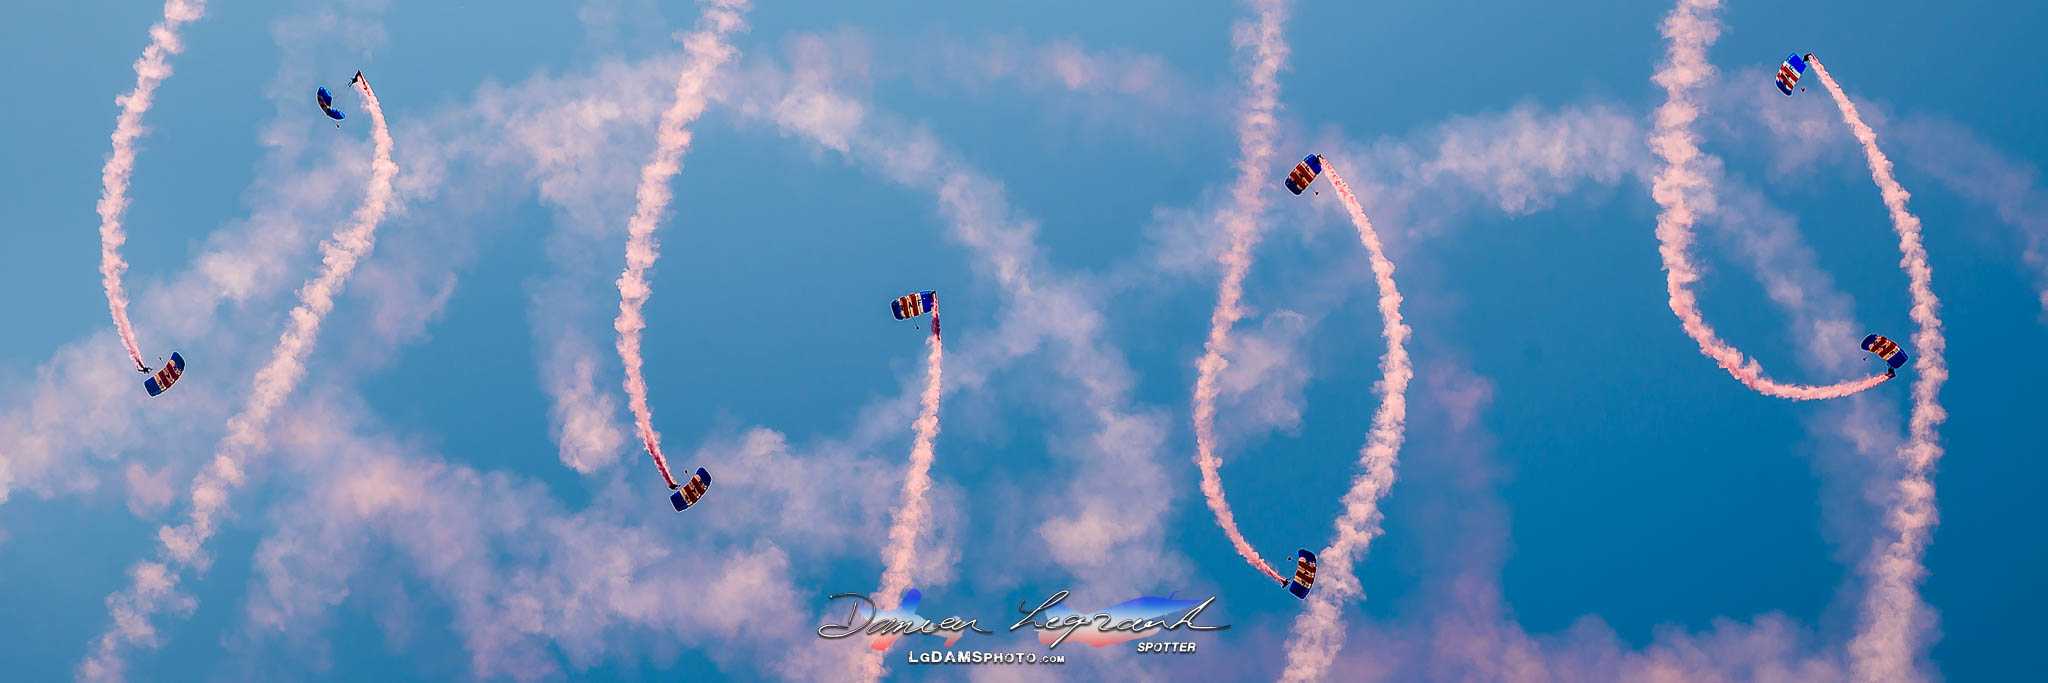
[150,70]
[1319,631]
[912,517]
[1681,184]
[1240,220]
[155,582]
[706,50]
[1896,623]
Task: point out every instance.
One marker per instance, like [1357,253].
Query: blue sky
[1580,488]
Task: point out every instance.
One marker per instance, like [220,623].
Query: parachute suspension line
[150,71]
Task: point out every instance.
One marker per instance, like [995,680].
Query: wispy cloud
[1971,167]
[580,141]
[523,580]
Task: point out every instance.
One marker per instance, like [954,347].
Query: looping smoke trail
[1255,129]
[150,70]
[912,517]
[1319,631]
[155,582]
[706,51]
[1680,187]
[1895,622]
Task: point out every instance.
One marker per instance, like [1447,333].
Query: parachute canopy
[692,491]
[1887,349]
[914,304]
[1304,574]
[1304,173]
[1790,71]
[165,376]
[327,106]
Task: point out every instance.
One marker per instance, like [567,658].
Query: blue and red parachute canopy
[914,304]
[1790,71]
[327,106]
[1304,574]
[1304,173]
[1887,349]
[166,375]
[691,492]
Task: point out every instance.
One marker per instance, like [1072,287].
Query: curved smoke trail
[1240,220]
[912,516]
[706,51]
[1682,187]
[1319,631]
[150,70]
[1895,622]
[155,582]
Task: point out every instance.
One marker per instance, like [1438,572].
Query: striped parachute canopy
[1790,71]
[1304,173]
[169,373]
[1304,574]
[914,304]
[691,492]
[1887,349]
[327,106]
